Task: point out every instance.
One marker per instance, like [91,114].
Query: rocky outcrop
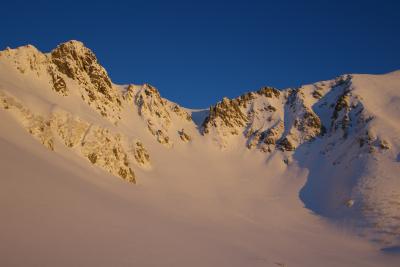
[160,134]
[270,119]
[105,149]
[267,118]
[269,92]
[99,145]
[28,60]
[286,144]
[79,63]
[151,105]
[38,126]
[71,129]
[348,118]
[140,153]
[184,136]
[302,124]
[130,92]
[226,116]
[157,112]
[180,112]
[71,64]
[340,116]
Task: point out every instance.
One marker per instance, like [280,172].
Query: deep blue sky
[196,52]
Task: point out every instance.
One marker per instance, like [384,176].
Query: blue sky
[196,52]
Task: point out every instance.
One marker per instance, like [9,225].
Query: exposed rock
[270,108]
[341,104]
[181,113]
[58,83]
[304,125]
[248,114]
[70,129]
[286,145]
[269,92]
[158,113]
[105,149]
[92,157]
[366,139]
[265,140]
[286,161]
[310,120]
[130,93]
[254,137]
[36,125]
[226,114]
[271,136]
[80,64]
[162,138]
[140,153]
[160,134]
[184,136]
[150,104]
[316,94]
[349,203]
[99,145]
[383,144]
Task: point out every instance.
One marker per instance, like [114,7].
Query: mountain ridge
[65,98]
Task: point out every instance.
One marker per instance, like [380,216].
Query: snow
[194,204]
[64,212]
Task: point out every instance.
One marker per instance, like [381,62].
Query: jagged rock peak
[70,65]
[74,54]
[73,48]
[79,63]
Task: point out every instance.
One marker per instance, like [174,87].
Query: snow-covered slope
[224,186]
[66,98]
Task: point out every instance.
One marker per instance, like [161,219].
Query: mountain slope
[235,176]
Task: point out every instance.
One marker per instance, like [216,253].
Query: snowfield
[98,174]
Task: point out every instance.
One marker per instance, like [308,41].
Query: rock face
[184,136]
[71,129]
[98,144]
[79,63]
[302,124]
[226,115]
[106,149]
[71,64]
[141,155]
[157,112]
[72,70]
[36,125]
[268,119]
[345,116]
